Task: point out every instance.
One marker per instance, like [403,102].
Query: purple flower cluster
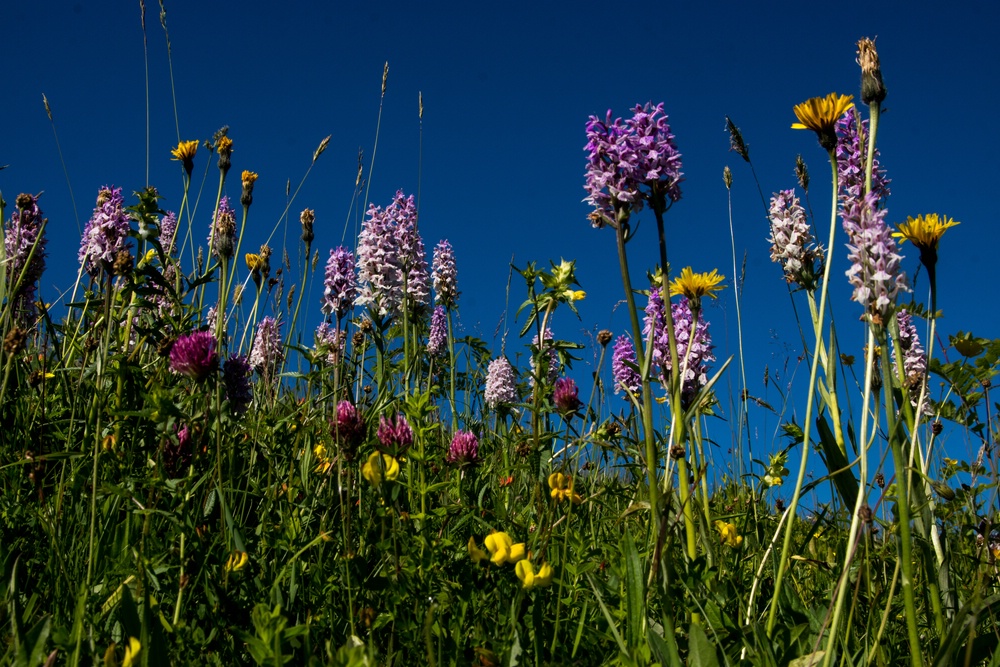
[464,449]
[333,340]
[566,396]
[168,229]
[266,353]
[624,156]
[792,242]
[349,428]
[194,355]
[340,286]
[852,151]
[445,275]
[222,236]
[106,232]
[437,340]
[24,232]
[389,250]
[623,366]
[875,265]
[694,363]
[394,435]
[914,356]
[501,385]
[549,352]
[239,393]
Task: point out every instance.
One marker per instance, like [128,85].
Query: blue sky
[507,88]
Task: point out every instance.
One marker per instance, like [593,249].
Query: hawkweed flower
[925,231]
[168,231]
[851,153]
[414,276]
[503,550]
[307,219]
[728,534]
[24,242]
[561,488]
[222,236]
[239,392]
[194,355]
[266,354]
[437,339]
[875,264]
[379,269]
[445,275]
[464,449]
[820,114]
[224,147]
[501,385]
[623,367]
[106,232]
[375,470]
[394,435]
[253,265]
[696,285]
[340,287]
[872,87]
[529,578]
[623,157]
[184,152]
[914,357]
[547,353]
[694,363]
[792,242]
[248,179]
[566,397]
[348,429]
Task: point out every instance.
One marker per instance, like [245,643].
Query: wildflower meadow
[192,471]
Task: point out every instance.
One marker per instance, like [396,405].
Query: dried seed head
[937,427]
[604,337]
[872,86]
[677,452]
[736,142]
[15,341]
[322,147]
[385,77]
[307,218]
[123,262]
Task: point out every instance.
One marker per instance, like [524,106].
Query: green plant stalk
[743,413]
[905,541]
[810,398]
[652,459]
[452,373]
[214,241]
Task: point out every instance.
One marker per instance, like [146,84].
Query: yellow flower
[574,295]
[131,652]
[324,462]
[529,578]
[950,462]
[820,114]
[924,231]
[237,561]
[728,534]
[562,488]
[224,145]
[503,550]
[372,471]
[696,285]
[185,152]
[249,178]
[477,554]
[253,261]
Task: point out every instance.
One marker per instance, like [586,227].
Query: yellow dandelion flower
[924,231]
[696,285]
[820,114]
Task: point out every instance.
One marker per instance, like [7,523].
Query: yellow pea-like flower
[373,472]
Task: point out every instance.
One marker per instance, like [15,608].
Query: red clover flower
[194,355]
[464,449]
[394,435]
[566,397]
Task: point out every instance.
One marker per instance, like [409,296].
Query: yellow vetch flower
[820,114]
[529,578]
[324,462]
[131,652]
[503,550]
[562,488]
[477,554]
[696,285]
[924,231]
[237,561]
[185,151]
[373,472]
[728,534]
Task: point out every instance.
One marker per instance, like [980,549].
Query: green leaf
[702,653]
[635,594]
